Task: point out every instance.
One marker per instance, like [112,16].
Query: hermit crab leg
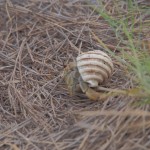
[91,94]
[96,95]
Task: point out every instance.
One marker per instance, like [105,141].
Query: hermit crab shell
[95,67]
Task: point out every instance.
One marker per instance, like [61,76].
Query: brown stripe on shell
[88,60]
[94,68]
[97,52]
[96,56]
[94,63]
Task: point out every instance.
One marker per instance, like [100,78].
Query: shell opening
[92,83]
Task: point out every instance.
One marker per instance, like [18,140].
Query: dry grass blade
[115,113]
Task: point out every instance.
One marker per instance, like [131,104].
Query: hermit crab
[87,73]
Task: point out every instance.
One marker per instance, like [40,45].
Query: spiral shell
[95,67]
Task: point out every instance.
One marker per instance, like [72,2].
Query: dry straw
[37,40]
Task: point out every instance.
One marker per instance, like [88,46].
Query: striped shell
[95,67]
